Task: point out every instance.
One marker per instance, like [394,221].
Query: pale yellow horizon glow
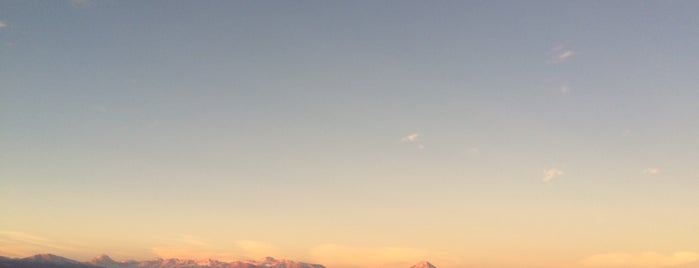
[19,244]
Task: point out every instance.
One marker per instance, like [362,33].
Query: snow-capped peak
[103,258]
[423,264]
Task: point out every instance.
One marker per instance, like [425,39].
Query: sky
[372,134]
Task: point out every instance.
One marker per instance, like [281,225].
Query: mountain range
[104,261]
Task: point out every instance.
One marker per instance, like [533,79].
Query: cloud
[410,138]
[565,89]
[256,249]
[650,171]
[640,260]
[23,237]
[626,133]
[560,53]
[413,138]
[192,240]
[551,173]
[20,244]
[565,54]
[2,24]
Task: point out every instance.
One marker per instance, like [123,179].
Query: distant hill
[43,261]
[104,261]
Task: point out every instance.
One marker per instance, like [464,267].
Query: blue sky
[444,129]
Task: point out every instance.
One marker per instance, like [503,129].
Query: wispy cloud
[564,89]
[192,240]
[257,249]
[650,171]
[560,53]
[640,260]
[2,24]
[20,244]
[551,174]
[20,236]
[626,133]
[565,54]
[413,138]
[410,138]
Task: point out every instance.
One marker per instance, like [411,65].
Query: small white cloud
[560,53]
[565,89]
[650,171]
[410,138]
[551,173]
[565,54]
[474,151]
[626,133]
[413,138]
[2,24]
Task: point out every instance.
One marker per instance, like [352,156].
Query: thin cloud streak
[640,260]
[551,174]
[565,54]
[650,171]
[20,244]
[255,248]
[564,89]
[560,54]
[410,138]
[192,240]
[413,138]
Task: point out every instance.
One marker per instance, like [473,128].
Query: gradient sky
[352,134]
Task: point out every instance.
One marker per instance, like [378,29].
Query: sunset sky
[491,134]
